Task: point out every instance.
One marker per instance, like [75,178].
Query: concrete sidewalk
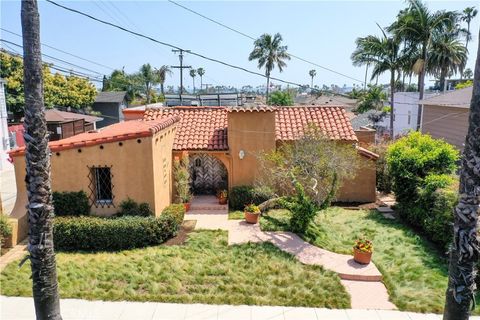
[8,190]
[16,308]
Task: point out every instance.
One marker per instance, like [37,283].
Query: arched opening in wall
[207,174]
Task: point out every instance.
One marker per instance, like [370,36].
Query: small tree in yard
[181,175]
[306,174]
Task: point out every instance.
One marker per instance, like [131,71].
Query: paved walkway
[8,190]
[18,308]
[363,282]
[15,253]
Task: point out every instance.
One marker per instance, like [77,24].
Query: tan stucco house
[134,158]
[445,116]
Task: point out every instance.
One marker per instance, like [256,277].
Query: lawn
[236,215]
[414,272]
[204,270]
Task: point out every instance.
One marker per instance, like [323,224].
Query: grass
[235,215]
[414,272]
[204,270]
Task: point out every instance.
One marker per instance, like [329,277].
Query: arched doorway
[207,173]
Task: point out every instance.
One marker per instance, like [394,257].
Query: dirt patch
[357,205]
[187,227]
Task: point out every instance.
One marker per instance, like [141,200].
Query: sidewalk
[15,308]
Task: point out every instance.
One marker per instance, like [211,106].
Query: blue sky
[320,31]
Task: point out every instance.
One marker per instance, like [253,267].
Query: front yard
[414,272]
[204,270]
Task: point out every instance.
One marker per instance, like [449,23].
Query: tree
[468,73]
[281,98]
[193,74]
[312,74]
[149,78]
[371,99]
[464,251]
[37,156]
[417,26]
[468,15]
[269,52]
[162,73]
[201,73]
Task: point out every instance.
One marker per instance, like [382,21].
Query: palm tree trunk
[392,95]
[464,252]
[466,47]
[37,156]
[268,85]
[365,81]
[193,79]
[421,85]
[201,83]
[162,89]
[312,83]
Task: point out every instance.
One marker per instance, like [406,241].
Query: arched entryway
[208,174]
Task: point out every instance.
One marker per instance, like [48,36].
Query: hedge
[111,234]
[71,203]
[129,207]
[175,211]
[243,195]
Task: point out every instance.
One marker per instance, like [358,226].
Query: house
[110,105]
[134,158]
[446,116]
[62,124]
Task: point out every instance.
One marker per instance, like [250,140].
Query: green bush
[129,207]
[111,234]
[303,211]
[384,181]
[175,211]
[71,203]
[243,195]
[5,228]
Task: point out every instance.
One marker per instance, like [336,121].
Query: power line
[252,38]
[169,45]
[62,51]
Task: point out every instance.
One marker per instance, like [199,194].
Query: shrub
[240,196]
[111,234]
[303,211]
[5,228]
[261,194]
[129,207]
[384,180]
[71,203]
[181,177]
[175,211]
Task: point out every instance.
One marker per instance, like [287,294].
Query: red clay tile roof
[200,128]
[290,122]
[258,108]
[367,153]
[116,132]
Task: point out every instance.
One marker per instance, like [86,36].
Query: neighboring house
[4,134]
[110,105]
[446,116]
[62,124]
[134,158]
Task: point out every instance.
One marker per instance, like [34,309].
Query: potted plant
[182,181]
[222,197]
[251,212]
[362,251]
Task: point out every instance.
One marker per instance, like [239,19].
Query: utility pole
[181,66]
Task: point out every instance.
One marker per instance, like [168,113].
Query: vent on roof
[92,131]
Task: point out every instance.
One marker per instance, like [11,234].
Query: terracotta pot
[187,206]
[222,200]
[251,217]
[362,257]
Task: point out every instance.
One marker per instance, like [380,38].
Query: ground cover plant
[414,270]
[203,270]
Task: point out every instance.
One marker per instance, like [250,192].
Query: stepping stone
[389,216]
[385,210]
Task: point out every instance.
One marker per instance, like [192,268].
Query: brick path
[15,253]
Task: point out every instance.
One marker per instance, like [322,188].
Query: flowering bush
[251,208]
[363,245]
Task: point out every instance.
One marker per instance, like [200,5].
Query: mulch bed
[187,227]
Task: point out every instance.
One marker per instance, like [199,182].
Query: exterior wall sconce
[241,154]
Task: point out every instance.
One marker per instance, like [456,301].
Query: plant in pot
[251,212]
[222,197]
[181,176]
[362,251]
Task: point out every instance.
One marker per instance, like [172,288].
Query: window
[101,187]
[198,163]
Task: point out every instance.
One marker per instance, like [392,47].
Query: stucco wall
[252,132]
[366,137]
[362,188]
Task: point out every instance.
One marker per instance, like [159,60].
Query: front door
[207,173]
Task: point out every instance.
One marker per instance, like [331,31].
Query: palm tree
[385,55]
[149,78]
[468,15]
[464,251]
[447,56]
[193,74]
[312,73]
[468,74]
[269,52]
[37,156]
[162,73]
[201,73]
[417,25]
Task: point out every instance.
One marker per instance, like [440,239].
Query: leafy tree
[464,84]
[312,73]
[162,73]
[201,73]
[371,99]
[37,156]
[269,52]
[464,251]
[193,74]
[149,78]
[468,73]
[281,98]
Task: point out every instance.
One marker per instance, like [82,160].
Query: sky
[323,32]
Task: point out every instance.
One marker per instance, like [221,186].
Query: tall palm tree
[418,25]
[468,73]
[37,156]
[447,56]
[468,15]
[312,73]
[385,55]
[201,73]
[464,251]
[269,52]
[162,73]
[149,78]
[193,74]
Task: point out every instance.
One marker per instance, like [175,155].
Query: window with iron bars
[101,187]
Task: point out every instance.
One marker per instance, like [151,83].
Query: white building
[5,142]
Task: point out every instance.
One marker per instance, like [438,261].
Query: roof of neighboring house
[54,115]
[110,96]
[325,100]
[367,153]
[460,98]
[252,108]
[362,119]
[117,132]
